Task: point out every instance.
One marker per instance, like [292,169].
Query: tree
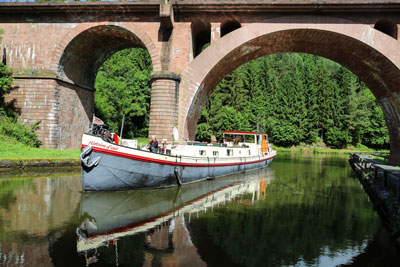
[123,87]
[6,81]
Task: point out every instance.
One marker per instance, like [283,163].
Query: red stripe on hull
[164,162]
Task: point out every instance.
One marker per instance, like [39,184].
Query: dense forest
[295,98]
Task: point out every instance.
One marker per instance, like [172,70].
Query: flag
[97,121]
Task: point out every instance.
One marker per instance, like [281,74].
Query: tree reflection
[311,209]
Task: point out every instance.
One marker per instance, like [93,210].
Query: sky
[5,1]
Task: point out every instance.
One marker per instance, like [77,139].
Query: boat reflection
[107,217]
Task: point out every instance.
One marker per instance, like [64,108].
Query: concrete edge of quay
[18,164]
[385,203]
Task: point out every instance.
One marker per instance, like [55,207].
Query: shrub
[18,132]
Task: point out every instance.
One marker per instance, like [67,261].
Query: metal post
[122,128]
[384,178]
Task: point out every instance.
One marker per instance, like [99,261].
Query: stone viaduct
[56,49]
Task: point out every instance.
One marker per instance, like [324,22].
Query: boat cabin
[234,144]
[238,138]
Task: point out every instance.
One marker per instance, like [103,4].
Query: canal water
[304,210]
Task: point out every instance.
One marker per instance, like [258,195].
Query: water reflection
[30,209]
[304,210]
[106,217]
[314,215]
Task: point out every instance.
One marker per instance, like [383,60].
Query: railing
[383,176]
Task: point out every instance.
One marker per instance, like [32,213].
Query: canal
[304,210]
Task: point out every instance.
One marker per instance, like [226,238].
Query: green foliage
[123,87]
[204,132]
[5,78]
[17,132]
[5,85]
[296,99]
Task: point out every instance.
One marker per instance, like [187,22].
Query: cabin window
[235,139]
[215,153]
[202,153]
[249,139]
[229,152]
[265,137]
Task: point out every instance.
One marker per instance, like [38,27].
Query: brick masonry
[63,110]
[38,100]
[164,108]
[55,50]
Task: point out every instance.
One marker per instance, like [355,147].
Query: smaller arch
[229,26]
[201,35]
[88,50]
[387,26]
[57,63]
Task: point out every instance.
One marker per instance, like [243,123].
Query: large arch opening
[121,78]
[297,99]
[371,58]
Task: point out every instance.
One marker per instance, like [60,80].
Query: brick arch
[387,26]
[115,37]
[229,25]
[373,56]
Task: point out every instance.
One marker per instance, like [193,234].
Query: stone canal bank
[10,164]
[382,184]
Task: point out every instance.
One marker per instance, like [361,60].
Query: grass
[315,149]
[142,141]
[19,151]
[23,152]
